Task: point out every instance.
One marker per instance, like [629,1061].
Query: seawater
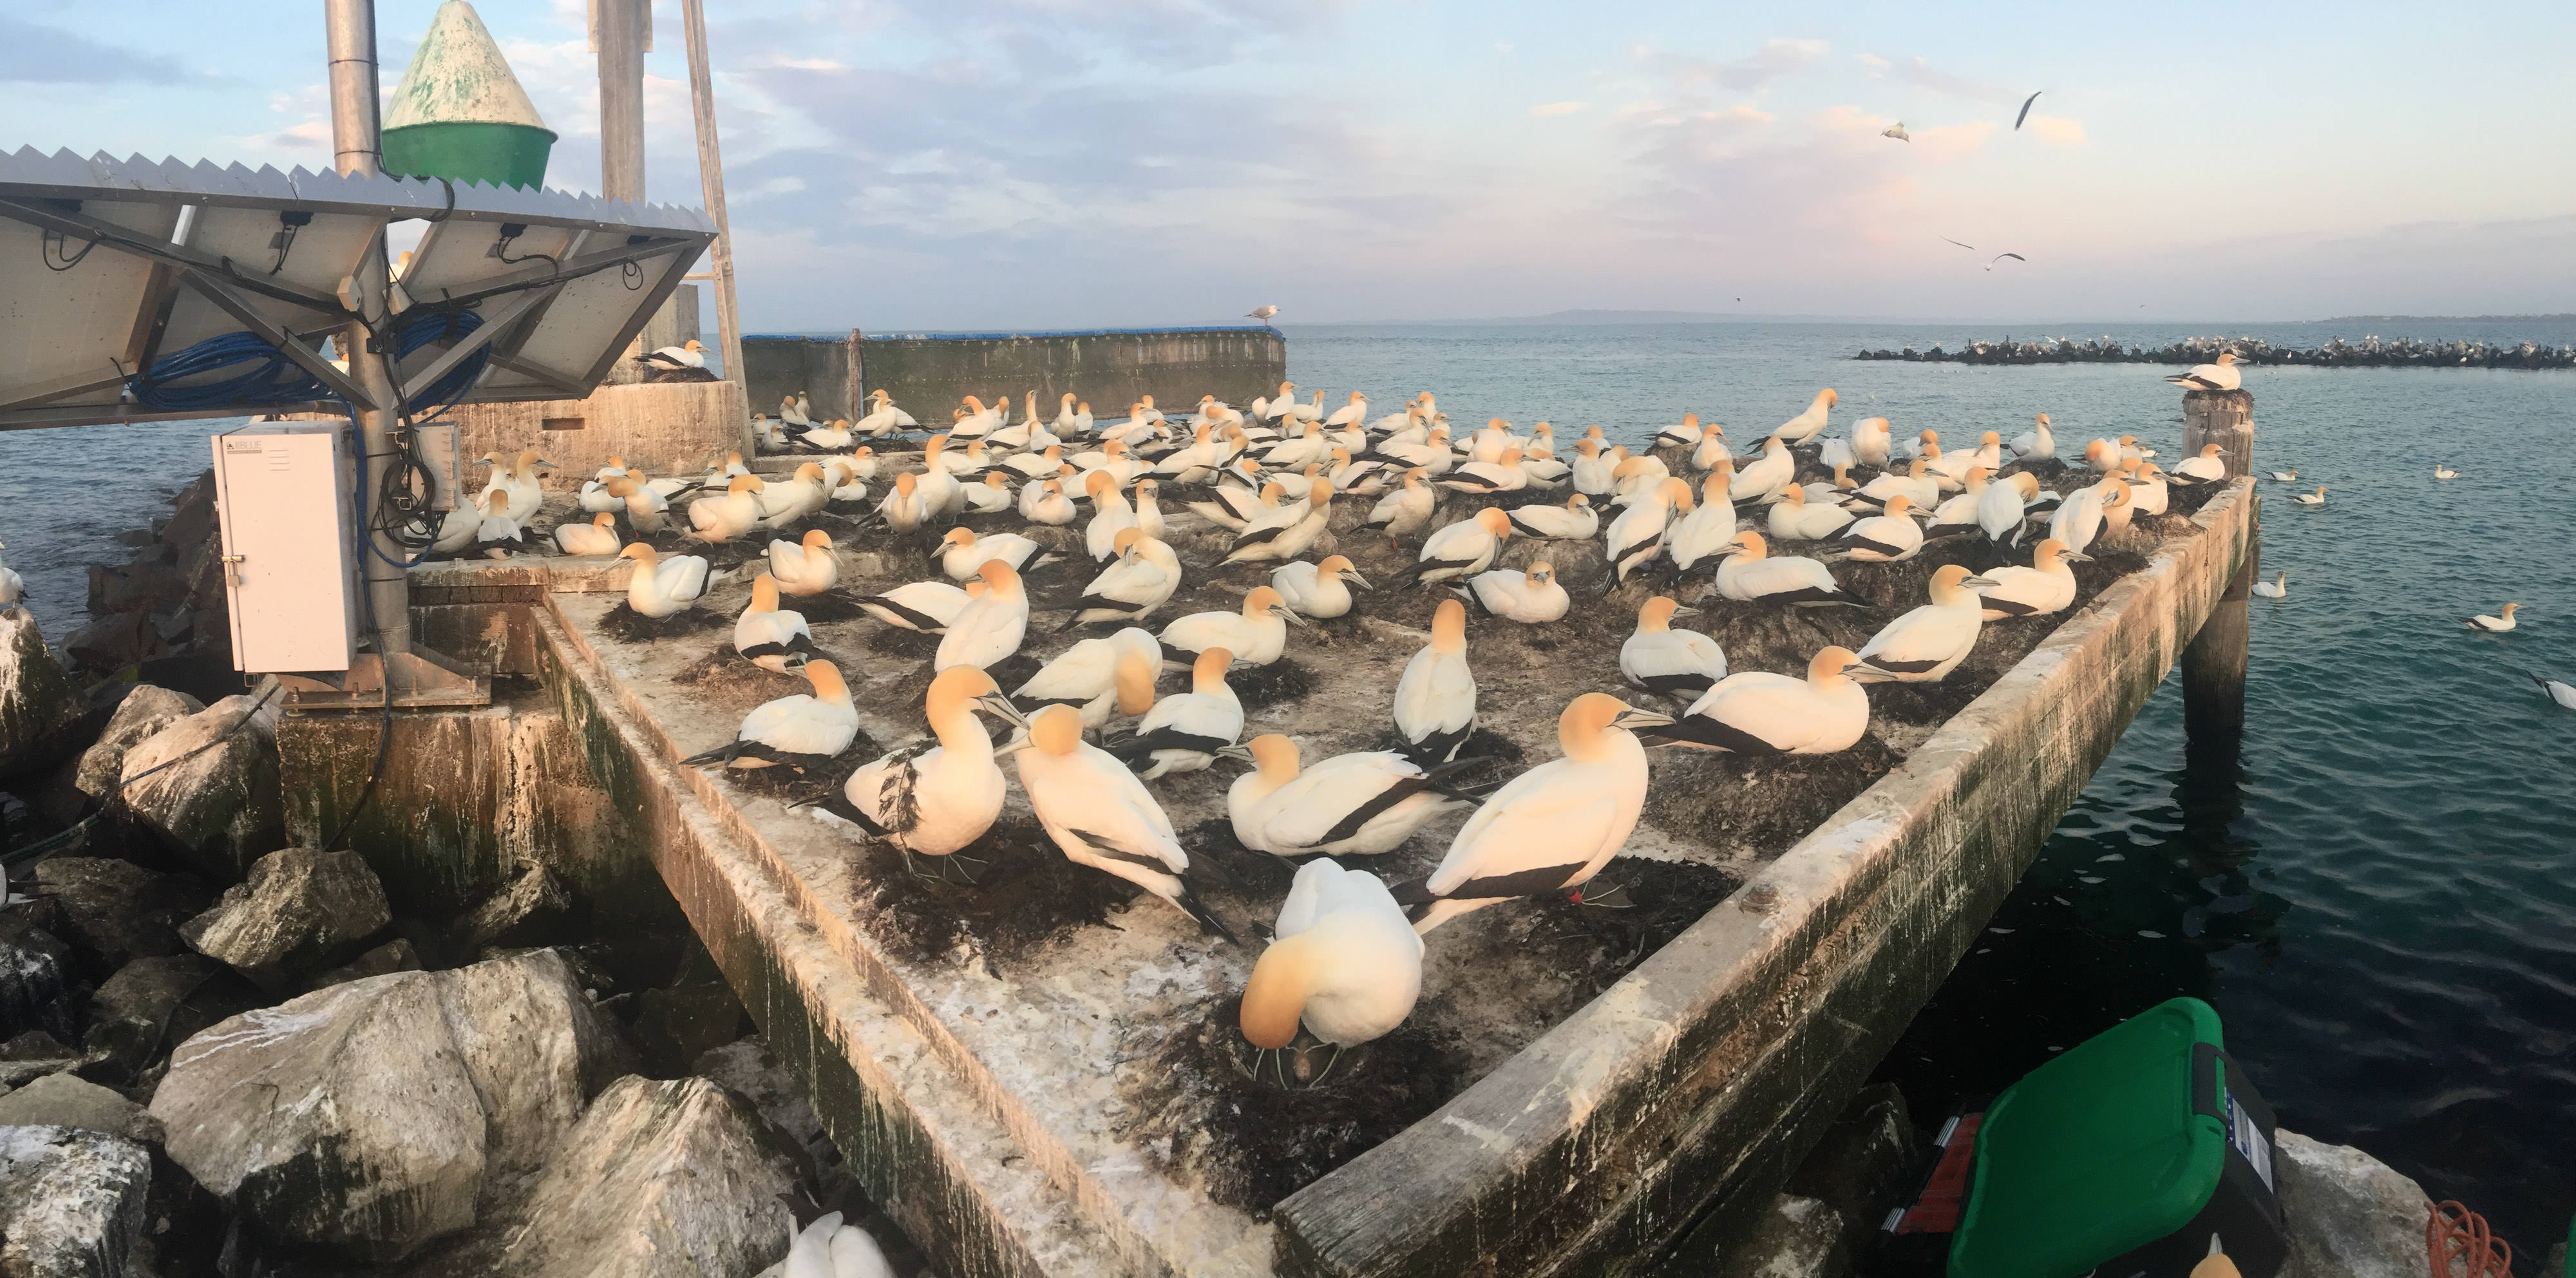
[2381,899]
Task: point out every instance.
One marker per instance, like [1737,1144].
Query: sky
[907,164]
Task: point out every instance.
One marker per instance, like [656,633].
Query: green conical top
[460,77]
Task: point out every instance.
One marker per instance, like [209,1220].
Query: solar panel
[134,290]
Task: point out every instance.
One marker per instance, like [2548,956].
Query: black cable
[21,855]
[52,244]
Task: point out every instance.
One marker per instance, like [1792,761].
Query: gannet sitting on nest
[805,568]
[1534,597]
[721,519]
[1256,635]
[802,731]
[935,799]
[1757,712]
[1462,549]
[1636,537]
[1576,520]
[1552,828]
[1318,590]
[1140,580]
[1182,733]
[1674,663]
[768,636]
[1405,511]
[2207,468]
[658,587]
[1925,645]
[990,627]
[598,537]
[1435,699]
[1348,805]
[1748,573]
[1794,518]
[1085,676]
[1100,815]
[1343,963]
[962,552]
[924,606]
[1888,537]
[2047,586]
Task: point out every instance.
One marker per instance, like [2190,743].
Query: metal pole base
[422,680]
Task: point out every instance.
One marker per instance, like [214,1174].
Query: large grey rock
[1797,1238]
[660,1180]
[396,955]
[114,910]
[61,1100]
[144,714]
[373,1116]
[38,701]
[152,1004]
[520,914]
[71,1202]
[2350,1215]
[1869,1161]
[219,809]
[35,969]
[299,910]
[750,1070]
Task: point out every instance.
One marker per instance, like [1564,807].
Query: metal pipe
[621,99]
[358,147]
[702,100]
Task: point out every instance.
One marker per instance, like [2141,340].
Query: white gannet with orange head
[598,537]
[1342,962]
[2035,443]
[1182,733]
[961,552]
[906,508]
[721,519]
[1749,573]
[2494,625]
[1435,700]
[2047,586]
[1925,645]
[1348,805]
[1046,503]
[1776,469]
[936,802]
[1757,712]
[767,635]
[1806,425]
[1532,597]
[1100,815]
[1086,677]
[2221,376]
[1870,440]
[1675,663]
[1404,512]
[2207,468]
[990,495]
[801,731]
[1461,549]
[1552,828]
[1636,537]
[1256,635]
[1136,583]
[1794,518]
[1702,529]
[1109,514]
[1886,537]
[659,587]
[809,567]
[2086,513]
[990,627]
[1318,590]
[1576,520]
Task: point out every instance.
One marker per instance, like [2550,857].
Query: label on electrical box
[255,444]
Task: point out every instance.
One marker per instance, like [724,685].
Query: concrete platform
[1050,1106]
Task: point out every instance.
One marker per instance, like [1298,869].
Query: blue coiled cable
[274,380]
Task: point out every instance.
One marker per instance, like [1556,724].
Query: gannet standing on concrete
[1100,815]
[1553,827]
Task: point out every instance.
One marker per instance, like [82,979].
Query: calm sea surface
[2381,902]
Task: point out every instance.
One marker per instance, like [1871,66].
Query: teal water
[2380,899]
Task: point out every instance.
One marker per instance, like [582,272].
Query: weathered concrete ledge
[927,372]
[1709,1071]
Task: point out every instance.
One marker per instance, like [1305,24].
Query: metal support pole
[621,99]
[702,100]
[358,148]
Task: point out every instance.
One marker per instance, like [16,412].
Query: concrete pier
[929,373]
[991,1104]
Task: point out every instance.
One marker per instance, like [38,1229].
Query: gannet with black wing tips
[1255,636]
[924,606]
[1501,475]
[2035,443]
[2277,588]
[1635,477]
[2207,468]
[1085,676]
[1405,511]
[904,509]
[1435,700]
[2085,513]
[1109,515]
[1350,413]
[990,627]
[801,731]
[1099,814]
[807,568]
[1636,537]
[721,519]
[1594,472]
[1925,645]
[1749,573]
[659,587]
[2441,471]
[519,481]
[883,418]
[768,636]
[791,499]
[2317,498]
[1673,663]
[1806,425]
[1958,515]
[2003,507]
[495,530]
[2149,491]
[1042,503]
[1182,733]
[2047,586]
[1685,435]
[1552,828]
[1339,963]
[1576,520]
[941,494]
[1348,805]
[2562,693]
[1757,712]
[1140,580]
[1318,590]
[1284,532]
[1880,539]
[1534,597]
[962,552]
[2286,476]
[2494,625]
[2222,375]
[1701,530]
[1913,482]
[598,537]
[989,496]
[935,800]
[1462,549]
[1794,518]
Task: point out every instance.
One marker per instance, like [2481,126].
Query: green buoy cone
[460,114]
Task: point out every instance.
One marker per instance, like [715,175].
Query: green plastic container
[460,113]
[2134,1153]
[470,151]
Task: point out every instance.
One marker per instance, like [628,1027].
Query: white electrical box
[282,501]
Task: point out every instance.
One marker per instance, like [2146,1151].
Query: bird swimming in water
[2278,589]
[2441,471]
[2317,498]
[2286,476]
[2556,690]
[2494,625]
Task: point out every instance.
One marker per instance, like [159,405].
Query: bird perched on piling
[1342,962]
[1099,814]
[2207,468]
[767,635]
[1926,644]
[801,731]
[936,799]
[659,587]
[1757,712]
[2222,376]
[1552,828]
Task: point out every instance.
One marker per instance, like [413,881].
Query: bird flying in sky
[2001,256]
[1970,247]
[2025,109]
[1898,132]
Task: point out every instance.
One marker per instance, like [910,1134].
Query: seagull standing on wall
[1262,313]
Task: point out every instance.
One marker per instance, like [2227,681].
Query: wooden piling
[2213,666]
[702,104]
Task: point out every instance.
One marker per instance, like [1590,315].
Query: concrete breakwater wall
[929,373]
[2370,352]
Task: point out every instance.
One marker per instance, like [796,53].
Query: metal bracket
[422,680]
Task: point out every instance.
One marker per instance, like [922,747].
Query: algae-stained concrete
[929,375]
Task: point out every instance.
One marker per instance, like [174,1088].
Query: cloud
[1776,59]
[2057,130]
[1557,108]
[809,64]
[1876,65]
[31,53]
[1917,72]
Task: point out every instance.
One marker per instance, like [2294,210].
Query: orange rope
[2456,1236]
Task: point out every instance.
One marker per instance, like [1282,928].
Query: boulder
[220,809]
[143,714]
[72,1202]
[35,972]
[523,913]
[35,1054]
[423,1097]
[660,1180]
[1797,1238]
[38,701]
[154,1003]
[2350,1215]
[116,911]
[299,910]
[396,955]
[748,1069]
[61,1100]
[1870,1161]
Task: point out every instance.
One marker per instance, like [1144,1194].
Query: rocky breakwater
[2369,352]
[162,614]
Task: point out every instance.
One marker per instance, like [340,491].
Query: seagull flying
[2001,256]
[1262,312]
[1898,132]
[2025,109]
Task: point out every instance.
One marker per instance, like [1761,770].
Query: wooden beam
[702,101]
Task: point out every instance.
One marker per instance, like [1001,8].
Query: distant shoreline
[2368,353]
